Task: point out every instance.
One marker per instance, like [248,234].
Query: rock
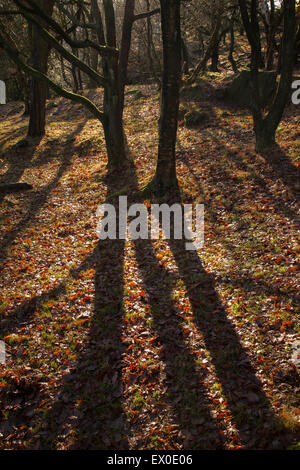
[22,143]
[220,93]
[194,92]
[192,118]
[241,93]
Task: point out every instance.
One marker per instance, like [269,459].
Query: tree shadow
[250,408]
[288,173]
[186,393]
[280,204]
[88,410]
[19,159]
[90,398]
[38,199]
[13,134]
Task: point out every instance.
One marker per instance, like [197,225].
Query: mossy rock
[295,447]
[194,92]
[220,93]
[136,94]
[241,93]
[193,118]
[51,105]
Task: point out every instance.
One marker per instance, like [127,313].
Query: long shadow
[243,391]
[93,386]
[20,131]
[186,394]
[23,313]
[251,284]
[90,399]
[19,160]
[37,201]
[280,204]
[95,381]
[102,422]
[247,283]
[249,407]
[284,168]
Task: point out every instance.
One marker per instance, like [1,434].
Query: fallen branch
[15,187]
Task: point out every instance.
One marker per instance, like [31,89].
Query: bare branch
[65,53]
[146,14]
[14,56]
[102,49]
[10,12]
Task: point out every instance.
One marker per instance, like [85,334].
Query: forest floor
[142,344]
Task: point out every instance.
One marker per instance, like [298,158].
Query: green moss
[193,92]
[241,93]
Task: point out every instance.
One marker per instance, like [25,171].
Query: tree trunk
[165,176]
[117,151]
[215,56]
[297,46]
[265,135]
[271,38]
[231,50]
[185,57]
[113,127]
[23,83]
[214,38]
[251,26]
[125,46]
[94,65]
[38,90]
[265,126]
[151,50]
[37,109]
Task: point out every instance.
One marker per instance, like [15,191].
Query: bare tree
[114,61]
[265,125]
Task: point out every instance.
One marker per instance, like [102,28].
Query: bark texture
[38,90]
[165,176]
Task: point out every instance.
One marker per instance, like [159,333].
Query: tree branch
[102,49]
[146,14]
[14,55]
[10,12]
[65,53]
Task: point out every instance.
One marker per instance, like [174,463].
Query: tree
[37,89]
[212,49]
[165,175]
[265,125]
[114,61]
